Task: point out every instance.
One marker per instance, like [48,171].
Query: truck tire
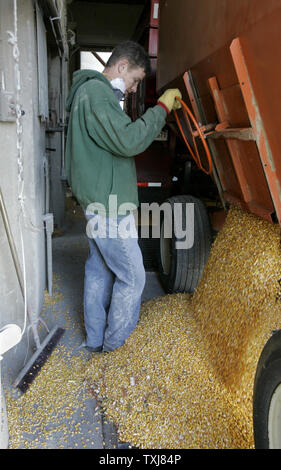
[267,396]
[181,269]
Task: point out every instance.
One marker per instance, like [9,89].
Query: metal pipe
[49,226]
[47,183]
[62,84]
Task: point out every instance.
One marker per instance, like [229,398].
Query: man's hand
[169,99]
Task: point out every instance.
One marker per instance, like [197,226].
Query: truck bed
[225,57]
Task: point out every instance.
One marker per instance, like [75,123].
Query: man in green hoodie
[101,144]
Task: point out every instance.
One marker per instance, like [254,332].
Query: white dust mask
[119,87]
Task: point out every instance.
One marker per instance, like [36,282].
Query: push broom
[44,349]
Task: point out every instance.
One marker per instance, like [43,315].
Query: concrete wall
[33,143]
[42,79]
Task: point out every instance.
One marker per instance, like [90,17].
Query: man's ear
[122,65]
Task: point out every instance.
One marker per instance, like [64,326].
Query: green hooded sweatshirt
[102,142]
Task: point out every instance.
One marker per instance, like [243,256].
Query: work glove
[169,99]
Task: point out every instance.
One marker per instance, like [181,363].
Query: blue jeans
[113,285]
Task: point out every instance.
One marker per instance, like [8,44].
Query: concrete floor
[70,249]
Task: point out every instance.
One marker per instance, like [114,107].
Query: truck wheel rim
[274,420]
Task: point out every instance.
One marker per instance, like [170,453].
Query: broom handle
[16,261]
[11,242]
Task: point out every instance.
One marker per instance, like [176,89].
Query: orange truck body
[225,56]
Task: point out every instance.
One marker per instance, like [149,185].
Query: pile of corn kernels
[46,415]
[53,412]
[184,378]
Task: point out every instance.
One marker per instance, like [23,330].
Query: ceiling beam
[98,57]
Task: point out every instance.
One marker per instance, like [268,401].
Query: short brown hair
[133,52]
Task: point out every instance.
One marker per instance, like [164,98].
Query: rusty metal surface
[235,66]
[192,30]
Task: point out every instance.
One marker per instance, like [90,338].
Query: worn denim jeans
[113,285]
